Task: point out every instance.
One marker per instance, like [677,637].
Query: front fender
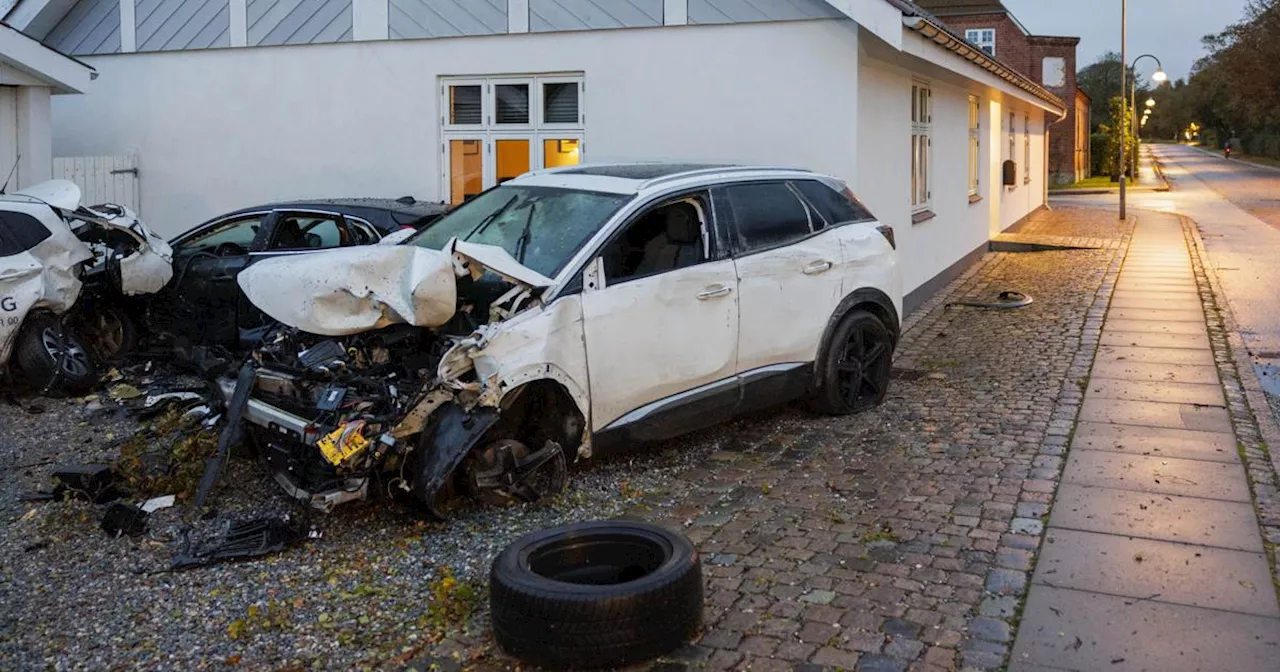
[441,449]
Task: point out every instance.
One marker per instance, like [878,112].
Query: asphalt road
[1252,187]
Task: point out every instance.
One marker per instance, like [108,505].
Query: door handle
[817,267]
[713,292]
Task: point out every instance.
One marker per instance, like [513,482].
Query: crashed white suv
[564,312]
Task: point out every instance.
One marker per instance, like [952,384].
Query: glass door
[464,160]
[560,149]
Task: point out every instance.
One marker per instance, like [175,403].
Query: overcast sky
[1170,29]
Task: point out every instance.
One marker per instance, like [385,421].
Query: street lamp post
[1124,127]
[1158,76]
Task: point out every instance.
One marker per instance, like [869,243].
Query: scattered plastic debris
[125,519]
[94,482]
[156,503]
[246,539]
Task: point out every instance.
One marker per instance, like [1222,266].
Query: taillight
[408,226]
[887,231]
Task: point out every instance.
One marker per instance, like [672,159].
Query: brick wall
[1026,54]
[1012,47]
[1066,143]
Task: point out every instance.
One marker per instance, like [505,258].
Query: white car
[566,312]
[65,270]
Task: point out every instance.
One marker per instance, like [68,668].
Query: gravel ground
[368,592]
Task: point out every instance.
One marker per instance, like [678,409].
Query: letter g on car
[8,304]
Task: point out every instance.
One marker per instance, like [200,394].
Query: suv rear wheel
[50,357]
[855,373]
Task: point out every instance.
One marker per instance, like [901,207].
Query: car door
[789,266]
[199,305]
[660,318]
[292,232]
[868,262]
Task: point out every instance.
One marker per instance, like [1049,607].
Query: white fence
[103,179]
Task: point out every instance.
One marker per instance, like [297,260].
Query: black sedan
[203,305]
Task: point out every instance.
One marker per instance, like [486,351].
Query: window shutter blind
[560,103]
[512,103]
[464,104]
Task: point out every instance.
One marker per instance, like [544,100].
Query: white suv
[564,312]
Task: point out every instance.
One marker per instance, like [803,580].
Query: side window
[20,232]
[302,231]
[225,238]
[664,238]
[767,214]
[359,231]
[835,207]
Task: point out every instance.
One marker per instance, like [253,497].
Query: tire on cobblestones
[855,373]
[595,595]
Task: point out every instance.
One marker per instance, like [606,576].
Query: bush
[1099,146]
[1263,144]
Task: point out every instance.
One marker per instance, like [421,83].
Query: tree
[1101,80]
[1234,91]
[1119,119]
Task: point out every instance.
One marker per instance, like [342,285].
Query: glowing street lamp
[1159,76]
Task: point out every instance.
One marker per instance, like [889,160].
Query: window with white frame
[921,145]
[1026,149]
[975,145]
[985,38]
[496,128]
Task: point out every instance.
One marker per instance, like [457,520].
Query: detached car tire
[596,595]
[47,355]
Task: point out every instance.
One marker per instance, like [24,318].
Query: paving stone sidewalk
[1154,558]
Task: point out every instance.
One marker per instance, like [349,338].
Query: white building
[229,103]
[30,74]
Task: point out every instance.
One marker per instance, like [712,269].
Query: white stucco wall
[884,167]
[26,140]
[217,130]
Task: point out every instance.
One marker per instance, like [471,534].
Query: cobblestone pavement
[902,538]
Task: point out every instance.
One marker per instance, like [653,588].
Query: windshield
[542,227]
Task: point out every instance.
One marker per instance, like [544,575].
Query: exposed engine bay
[401,409]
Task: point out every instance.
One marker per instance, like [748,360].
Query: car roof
[402,207]
[643,177]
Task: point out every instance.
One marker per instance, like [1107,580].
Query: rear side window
[767,214]
[20,232]
[835,207]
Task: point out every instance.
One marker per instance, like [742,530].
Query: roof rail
[719,169]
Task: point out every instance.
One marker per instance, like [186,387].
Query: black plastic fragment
[322,355]
[94,482]
[231,433]
[243,540]
[331,398]
[125,519]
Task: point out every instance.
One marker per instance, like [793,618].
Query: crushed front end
[389,410]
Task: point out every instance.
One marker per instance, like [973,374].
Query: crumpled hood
[354,289]
[357,289]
